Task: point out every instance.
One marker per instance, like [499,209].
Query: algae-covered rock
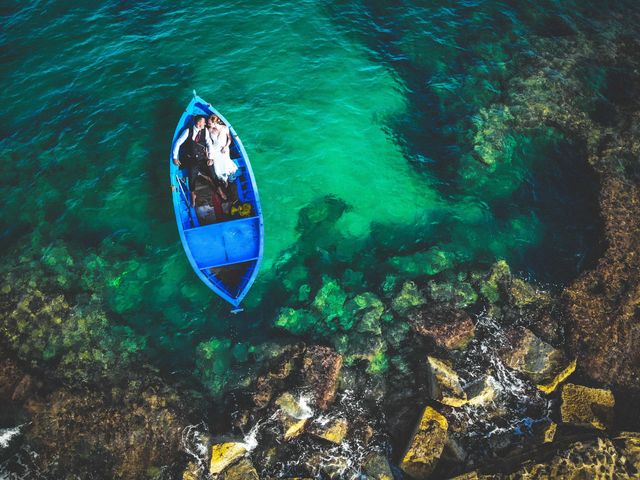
[329,302]
[444,384]
[587,406]
[79,342]
[493,141]
[493,285]
[431,262]
[367,308]
[597,459]
[449,328]
[333,430]
[523,294]
[376,467]
[219,364]
[426,445]
[296,321]
[628,444]
[542,363]
[408,297]
[378,362]
[456,294]
[224,454]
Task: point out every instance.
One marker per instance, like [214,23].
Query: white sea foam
[7,434]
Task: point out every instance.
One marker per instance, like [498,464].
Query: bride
[219,156]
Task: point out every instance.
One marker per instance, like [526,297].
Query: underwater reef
[420,366]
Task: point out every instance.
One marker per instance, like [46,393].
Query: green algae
[378,364]
[408,297]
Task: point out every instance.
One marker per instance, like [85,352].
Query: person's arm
[209,140]
[226,145]
[176,147]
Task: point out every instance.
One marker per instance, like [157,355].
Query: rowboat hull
[226,253]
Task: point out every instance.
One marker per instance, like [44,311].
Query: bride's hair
[215,119]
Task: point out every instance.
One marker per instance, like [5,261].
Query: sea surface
[382,116]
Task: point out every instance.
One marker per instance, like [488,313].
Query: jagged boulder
[293,414]
[444,384]
[587,406]
[426,445]
[333,430]
[449,328]
[540,362]
[224,454]
[482,391]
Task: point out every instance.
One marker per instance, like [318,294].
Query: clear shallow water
[384,107]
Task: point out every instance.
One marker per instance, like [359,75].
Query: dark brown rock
[320,370]
[23,389]
[449,328]
[110,436]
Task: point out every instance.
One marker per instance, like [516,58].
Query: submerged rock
[408,297]
[376,467]
[587,406]
[329,303]
[450,329]
[457,294]
[444,384]
[426,445]
[367,308]
[542,363]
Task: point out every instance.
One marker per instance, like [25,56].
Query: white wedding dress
[224,167]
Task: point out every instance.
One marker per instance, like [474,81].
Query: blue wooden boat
[224,250]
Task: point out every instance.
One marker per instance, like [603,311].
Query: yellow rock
[242,470]
[426,445]
[334,431]
[481,392]
[559,378]
[550,432]
[629,445]
[293,415]
[191,472]
[444,384]
[224,454]
[293,427]
[587,406]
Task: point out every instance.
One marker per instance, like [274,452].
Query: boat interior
[222,230]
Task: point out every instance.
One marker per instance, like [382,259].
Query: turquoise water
[377,135]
